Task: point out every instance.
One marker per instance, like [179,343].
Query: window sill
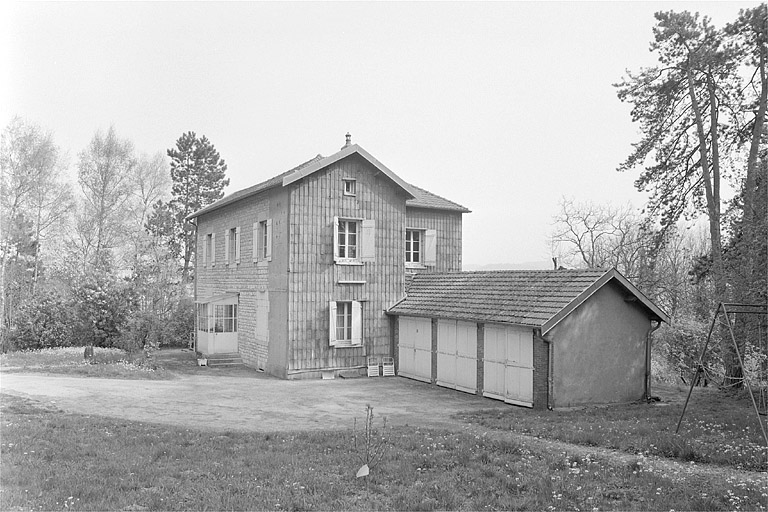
[349,262]
[346,345]
[419,266]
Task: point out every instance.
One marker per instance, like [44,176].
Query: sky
[502,107]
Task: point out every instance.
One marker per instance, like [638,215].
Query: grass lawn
[718,428]
[51,460]
[106,363]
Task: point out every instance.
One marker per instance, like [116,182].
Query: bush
[105,306]
[44,323]
[180,324]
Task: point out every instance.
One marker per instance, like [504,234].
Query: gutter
[651,330]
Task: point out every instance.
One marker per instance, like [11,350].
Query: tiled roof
[426,199]
[534,298]
[255,189]
[421,198]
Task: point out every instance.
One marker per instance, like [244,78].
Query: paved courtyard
[245,402]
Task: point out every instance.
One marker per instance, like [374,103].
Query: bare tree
[599,236]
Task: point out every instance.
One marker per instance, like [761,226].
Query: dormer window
[350,187]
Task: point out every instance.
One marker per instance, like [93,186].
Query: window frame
[410,252]
[349,187]
[353,320]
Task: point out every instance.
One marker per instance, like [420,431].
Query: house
[339,260]
[554,338]
[295,274]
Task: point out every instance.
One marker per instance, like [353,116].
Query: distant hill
[529,265]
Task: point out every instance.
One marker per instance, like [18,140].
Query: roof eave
[458,209]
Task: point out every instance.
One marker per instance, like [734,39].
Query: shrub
[105,306]
[44,322]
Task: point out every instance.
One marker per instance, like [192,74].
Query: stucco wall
[599,351]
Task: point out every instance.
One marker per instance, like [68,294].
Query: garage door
[457,355]
[508,364]
[415,348]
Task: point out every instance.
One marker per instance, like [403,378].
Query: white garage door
[508,364]
[415,348]
[457,355]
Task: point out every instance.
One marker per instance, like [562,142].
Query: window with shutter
[354,241]
[345,324]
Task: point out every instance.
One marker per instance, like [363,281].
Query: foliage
[694,115]
[198,174]
[104,309]
[105,168]
[44,322]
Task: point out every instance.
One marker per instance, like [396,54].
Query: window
[346,324]
[232,243]
[208,249]
[262,240]
[354,241]
[347,241]
[225,319]
[420,247]
[350,187]
[413,244]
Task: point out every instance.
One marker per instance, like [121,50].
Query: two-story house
[297,272]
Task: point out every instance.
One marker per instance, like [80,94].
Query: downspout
[550,367]
[648,358]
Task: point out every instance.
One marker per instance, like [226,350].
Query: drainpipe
[550,366]
[648,358]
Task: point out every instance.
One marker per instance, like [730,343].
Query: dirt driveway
[240,402]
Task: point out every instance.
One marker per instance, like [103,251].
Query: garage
[528,338]
[508,364]
[457,355]
[415,353]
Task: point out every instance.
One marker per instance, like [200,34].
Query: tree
[104,173]
[600,236]
[198,174]
[33,202]
[750,34]
[687,108]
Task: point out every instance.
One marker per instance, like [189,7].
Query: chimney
[348,141]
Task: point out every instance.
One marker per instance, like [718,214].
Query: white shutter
[255,242]
[368,252]
[213,249]
[332,324]
[357,323]
[430,248]
[268,253]
[226,247]
[335,239]
[204,244]
[237,244]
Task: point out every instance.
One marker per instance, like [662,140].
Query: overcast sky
[501,107]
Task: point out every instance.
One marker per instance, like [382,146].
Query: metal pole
[698,366]
[744,376]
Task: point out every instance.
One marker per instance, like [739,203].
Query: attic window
[350,187]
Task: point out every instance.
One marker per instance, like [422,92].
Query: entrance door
[508,364]
[217,325]
[457,355]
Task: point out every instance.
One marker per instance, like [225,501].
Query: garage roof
[536,298]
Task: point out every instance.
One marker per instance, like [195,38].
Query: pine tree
[198,174]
